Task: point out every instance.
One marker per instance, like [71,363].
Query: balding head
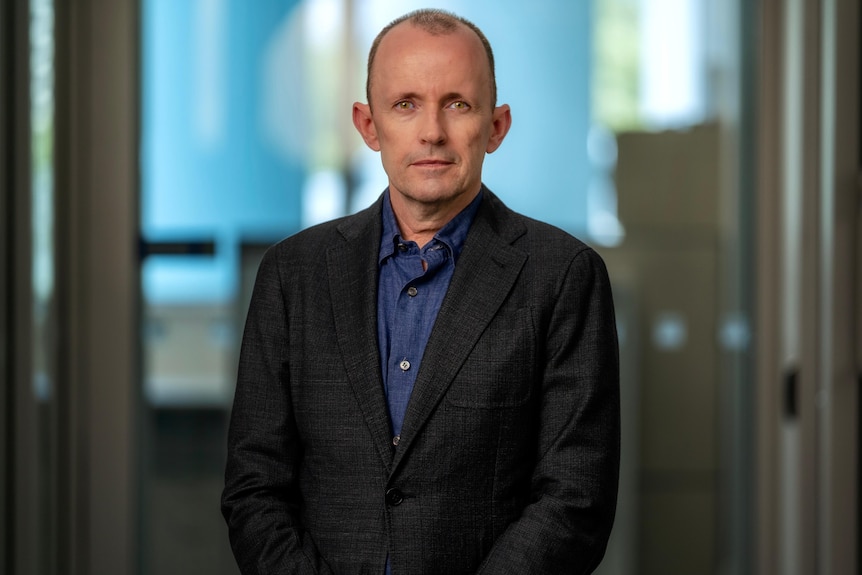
[437,23]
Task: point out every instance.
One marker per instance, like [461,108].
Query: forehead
[408,54]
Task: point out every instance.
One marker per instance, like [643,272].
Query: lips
[432,163]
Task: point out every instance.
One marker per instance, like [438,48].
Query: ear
[364,123]
[500,124]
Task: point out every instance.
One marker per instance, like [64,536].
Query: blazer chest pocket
[500,370]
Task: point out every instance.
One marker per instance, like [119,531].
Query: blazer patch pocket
[500,370]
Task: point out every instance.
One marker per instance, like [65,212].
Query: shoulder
[541,241]
[313,242]
[555,261]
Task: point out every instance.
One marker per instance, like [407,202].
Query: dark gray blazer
[509,454]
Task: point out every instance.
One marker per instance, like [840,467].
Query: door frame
[808,286]
[97,181]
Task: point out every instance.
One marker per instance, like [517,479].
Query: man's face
[430,114]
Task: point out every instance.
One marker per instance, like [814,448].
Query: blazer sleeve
[260,501]
[566,525]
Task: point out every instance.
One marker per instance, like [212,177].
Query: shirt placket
[412,328]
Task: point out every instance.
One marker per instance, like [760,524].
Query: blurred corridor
[151,150]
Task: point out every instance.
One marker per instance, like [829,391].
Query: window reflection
[42,182]
[43,327]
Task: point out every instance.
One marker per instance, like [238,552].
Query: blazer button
[394,496]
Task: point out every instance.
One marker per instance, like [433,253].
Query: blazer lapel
[484,274]
[352,269]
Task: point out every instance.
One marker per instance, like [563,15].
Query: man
[429,386]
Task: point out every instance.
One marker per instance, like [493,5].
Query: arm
[261,499]
[566,525]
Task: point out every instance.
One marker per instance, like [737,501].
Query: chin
[434,193]
[436,197]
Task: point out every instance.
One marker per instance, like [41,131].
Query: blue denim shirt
[408,299]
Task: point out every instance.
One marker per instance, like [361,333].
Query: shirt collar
[452,235]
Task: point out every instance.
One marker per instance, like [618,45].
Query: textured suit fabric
[509,452]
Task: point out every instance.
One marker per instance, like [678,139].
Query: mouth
[432,163]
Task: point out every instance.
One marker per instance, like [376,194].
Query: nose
[433,129]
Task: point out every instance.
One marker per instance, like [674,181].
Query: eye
[404,105]
[459,105]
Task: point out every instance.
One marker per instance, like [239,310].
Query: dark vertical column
[6,187]
[22,441]
[97,276]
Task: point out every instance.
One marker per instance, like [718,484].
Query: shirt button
[412,291]
[404,365]
[395,440]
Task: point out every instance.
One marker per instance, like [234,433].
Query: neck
[419,221]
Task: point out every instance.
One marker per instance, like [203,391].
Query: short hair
[438,23]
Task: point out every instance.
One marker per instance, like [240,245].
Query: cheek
[390,143]
[478,145]
[386,160]
[386,147]
[392,160]
[476,140]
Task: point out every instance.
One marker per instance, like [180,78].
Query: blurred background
[150,151]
